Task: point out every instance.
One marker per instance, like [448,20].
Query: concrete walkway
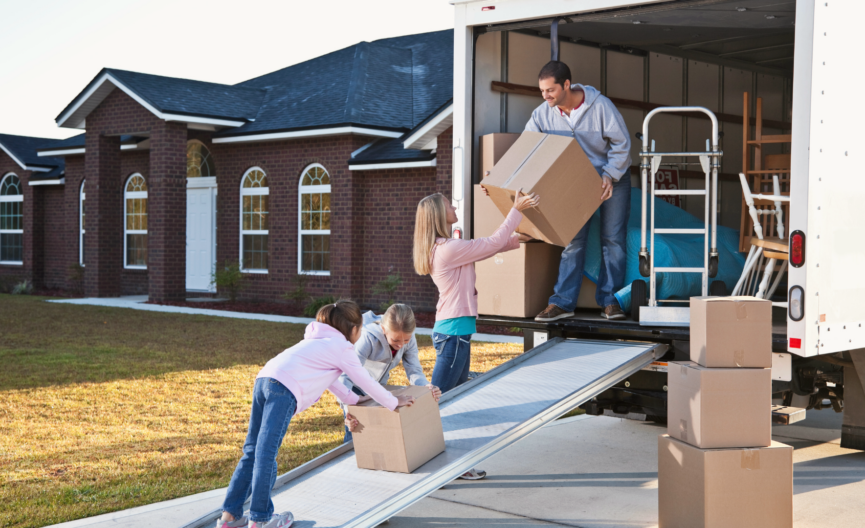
[139,302]
[587,472]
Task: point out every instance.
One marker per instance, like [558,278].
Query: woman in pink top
[287,385]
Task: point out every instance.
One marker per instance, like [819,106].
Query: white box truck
[797,56]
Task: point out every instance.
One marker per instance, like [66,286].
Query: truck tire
[639,298]
[718,289]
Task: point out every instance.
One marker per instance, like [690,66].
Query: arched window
[81,197]
[314,221]
[254,224]
[11,220]
[135,227]
[199,163]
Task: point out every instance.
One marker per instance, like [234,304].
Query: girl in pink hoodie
[451,264]
[287,385]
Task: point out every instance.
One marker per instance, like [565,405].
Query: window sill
[254,272]
[139,268]
[10,263]
[314,273]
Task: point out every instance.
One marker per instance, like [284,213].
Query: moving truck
[798,57]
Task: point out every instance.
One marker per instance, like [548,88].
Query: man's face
[554,94]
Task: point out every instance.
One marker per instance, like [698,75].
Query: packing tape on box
[683,429]
[514,174]
[750,459]
[739,358]
[741,311]
[683,370]
[378,460]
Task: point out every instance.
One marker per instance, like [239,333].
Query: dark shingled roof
[78,142]
[393,150]
[24,149]
[388,84]
[186,97]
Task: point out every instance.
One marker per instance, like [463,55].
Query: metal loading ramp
[479,418]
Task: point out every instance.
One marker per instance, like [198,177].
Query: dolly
[647,309]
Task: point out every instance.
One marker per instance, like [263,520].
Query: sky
[51,49]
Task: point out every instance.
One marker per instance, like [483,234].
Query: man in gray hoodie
[581,112]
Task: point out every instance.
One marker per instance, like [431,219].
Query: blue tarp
[672,251]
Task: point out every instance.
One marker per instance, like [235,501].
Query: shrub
[228,278]
[315,305]
[24,287]
[298,293]
[76,277]
[388,286]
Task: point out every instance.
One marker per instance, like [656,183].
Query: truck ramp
[479,418]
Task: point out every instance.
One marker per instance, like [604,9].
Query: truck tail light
[488,8]
[796,303]
[795,342]
[457,233]
[797,249]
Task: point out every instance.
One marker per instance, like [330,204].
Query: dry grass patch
[106,409]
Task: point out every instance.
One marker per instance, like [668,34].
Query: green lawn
[103,409]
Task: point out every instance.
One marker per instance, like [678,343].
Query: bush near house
[228,279]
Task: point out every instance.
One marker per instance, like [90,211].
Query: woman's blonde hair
[430,223]
[399,318]
[344,315]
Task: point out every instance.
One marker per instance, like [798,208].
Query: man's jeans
[453,358]
[273,405]
[615,213]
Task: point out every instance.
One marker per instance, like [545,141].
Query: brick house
[314,169]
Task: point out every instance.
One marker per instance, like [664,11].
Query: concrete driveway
[597,472]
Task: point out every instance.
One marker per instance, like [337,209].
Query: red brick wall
[54,222]
[390,199]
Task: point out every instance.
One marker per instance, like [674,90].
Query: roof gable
[168,98]
[22,150]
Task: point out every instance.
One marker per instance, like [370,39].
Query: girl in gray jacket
[386,340]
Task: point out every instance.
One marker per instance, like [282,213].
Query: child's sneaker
[237,523]
[281,520]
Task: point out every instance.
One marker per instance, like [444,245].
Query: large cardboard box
[724,488]
[492,148]
[518,283]
[719,407]
[557,169]
[400,441]
[487,216]
[731,332]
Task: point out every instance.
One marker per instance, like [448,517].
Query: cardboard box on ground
[731,332]
[557,169]
[400,441]
[517,283]
[719,407]
[739,487]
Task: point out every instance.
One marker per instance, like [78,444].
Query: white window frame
[131,196]
[309,189]
[254,191]
[81,197]
[16,198]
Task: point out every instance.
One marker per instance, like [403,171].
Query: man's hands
[437,392]
[606,188]
[523,202]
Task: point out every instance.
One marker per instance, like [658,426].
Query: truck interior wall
[670,80]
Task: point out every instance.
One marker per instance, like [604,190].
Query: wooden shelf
[787,138]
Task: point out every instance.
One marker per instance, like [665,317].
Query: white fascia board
[316,132]
[422,137]
[60,152]
[61,181]
[399,165]
[16,160]
[108,78]
[38,169]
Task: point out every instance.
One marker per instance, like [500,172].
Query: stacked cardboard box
[519,283]
[717,464]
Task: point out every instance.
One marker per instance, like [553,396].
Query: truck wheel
[638,298]
[718,289]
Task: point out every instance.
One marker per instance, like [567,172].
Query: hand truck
[647,310]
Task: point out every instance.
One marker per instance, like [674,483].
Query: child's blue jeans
[273,405]
[453,358]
